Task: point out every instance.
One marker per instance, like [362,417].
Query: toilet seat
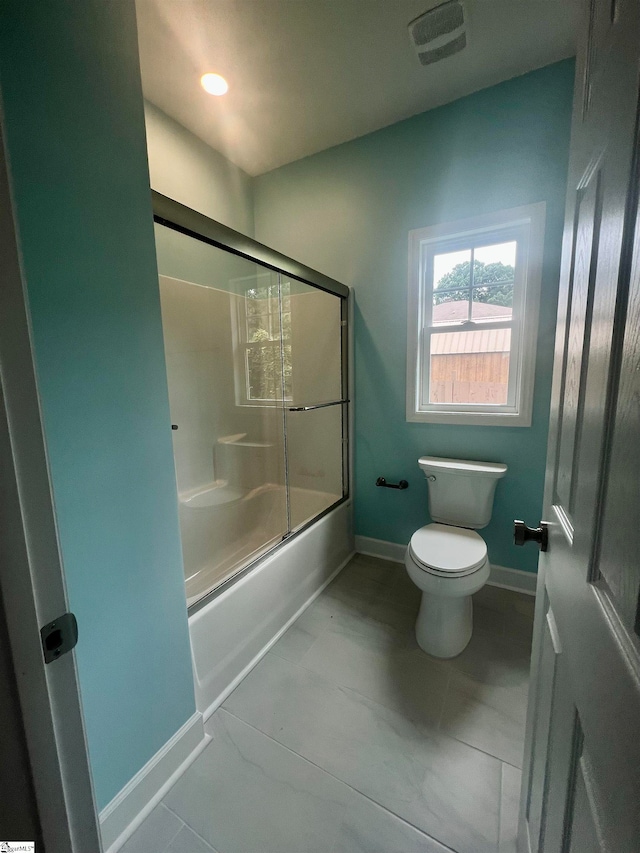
[447,551]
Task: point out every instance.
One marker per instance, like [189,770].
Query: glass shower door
[222,316]
[255,367]
[316,411]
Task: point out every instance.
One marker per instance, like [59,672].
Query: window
[263,340]
[474,288]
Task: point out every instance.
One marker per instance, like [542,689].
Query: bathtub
[224,526]
[231,632]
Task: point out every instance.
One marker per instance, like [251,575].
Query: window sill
[502,419]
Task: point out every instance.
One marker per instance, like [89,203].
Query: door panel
[583,829]
[582,754]
[619,566]
[579,311]
[536,789]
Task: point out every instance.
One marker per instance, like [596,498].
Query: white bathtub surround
[230,634]
[500,576]
[129,808]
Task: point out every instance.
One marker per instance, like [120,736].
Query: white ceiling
[308,74]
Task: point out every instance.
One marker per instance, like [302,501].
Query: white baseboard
[127,810]
[379,548]
[501,576]
[263,651]
[514,579]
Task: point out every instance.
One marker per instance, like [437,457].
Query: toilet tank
[461,491]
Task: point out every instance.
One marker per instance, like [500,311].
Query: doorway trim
[31,572]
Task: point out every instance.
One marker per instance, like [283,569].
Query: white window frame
[524,224]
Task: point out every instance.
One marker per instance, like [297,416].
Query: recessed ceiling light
[214,84]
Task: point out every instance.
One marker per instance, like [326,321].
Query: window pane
[492,302]
[286,325]
[470,367]
[263,314]
[288,372]
[264,372]
[274,312]
[451,284]
[493,277]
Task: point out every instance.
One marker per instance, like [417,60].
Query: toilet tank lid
[433,463]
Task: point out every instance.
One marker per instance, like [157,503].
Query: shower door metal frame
[174,215]
[179,217]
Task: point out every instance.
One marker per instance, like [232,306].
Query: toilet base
[444,625]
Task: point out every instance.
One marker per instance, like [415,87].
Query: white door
[581,778]
[32,594]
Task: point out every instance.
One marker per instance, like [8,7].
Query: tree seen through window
[492,283]
[268,342]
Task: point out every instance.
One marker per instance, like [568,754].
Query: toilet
[447,559]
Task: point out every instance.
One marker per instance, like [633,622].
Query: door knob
[523,534]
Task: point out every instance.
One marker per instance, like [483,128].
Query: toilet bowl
[447,560]
[449,564]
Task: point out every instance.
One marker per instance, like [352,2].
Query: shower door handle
[317,406]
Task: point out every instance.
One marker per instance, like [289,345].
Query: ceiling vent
[439,32]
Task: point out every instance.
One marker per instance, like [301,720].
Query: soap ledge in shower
[211,494]
[237,440]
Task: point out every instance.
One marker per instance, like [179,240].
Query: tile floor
[347,738]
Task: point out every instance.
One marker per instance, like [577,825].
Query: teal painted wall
[347,211]
[74,126]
